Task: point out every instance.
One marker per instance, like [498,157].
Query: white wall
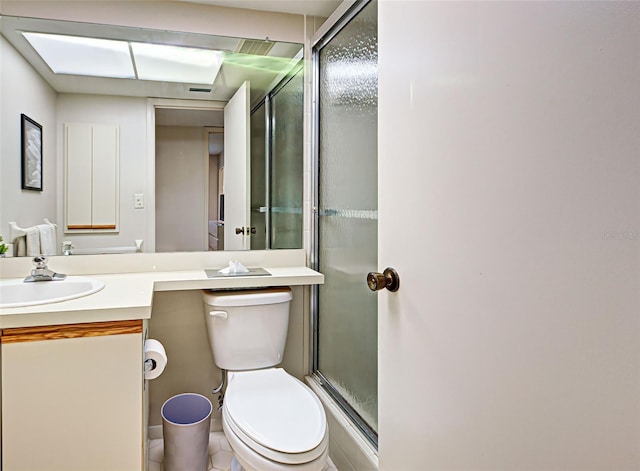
[509,138]
[130,116]
[22,90]
[181,188]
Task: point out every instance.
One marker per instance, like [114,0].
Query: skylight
[75,55]
[176,63]
[83,56]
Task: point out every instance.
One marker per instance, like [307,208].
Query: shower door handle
[388,279]
[248,230]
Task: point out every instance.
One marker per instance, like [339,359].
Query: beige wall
[178,321]
[182,180]
[213,187]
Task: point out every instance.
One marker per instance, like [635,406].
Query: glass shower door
[346,244]
[286,165]
[277,166]
[259,164]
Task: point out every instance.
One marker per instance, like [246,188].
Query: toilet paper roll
[154,351]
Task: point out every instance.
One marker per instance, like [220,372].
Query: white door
[509,205]
[236,170]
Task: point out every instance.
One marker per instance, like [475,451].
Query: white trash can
[185,427]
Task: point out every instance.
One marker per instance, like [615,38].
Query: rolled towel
[33,241]
[20,247]
[48,245]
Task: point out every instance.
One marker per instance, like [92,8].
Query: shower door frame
[324,36]
[266,102]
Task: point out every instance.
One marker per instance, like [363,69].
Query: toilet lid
[275,410]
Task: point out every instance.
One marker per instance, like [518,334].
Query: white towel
[33,241]
[47,239]
[20,247]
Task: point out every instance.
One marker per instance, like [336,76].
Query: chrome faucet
[67,248]
[40,271]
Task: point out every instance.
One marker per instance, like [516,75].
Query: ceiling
[322,8]
[231,76]
[260,70]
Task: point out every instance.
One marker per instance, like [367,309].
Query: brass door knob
[388,279]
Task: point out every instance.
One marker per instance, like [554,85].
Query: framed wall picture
[31,154]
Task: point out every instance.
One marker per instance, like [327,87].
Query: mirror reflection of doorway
[187,176]
[190,175]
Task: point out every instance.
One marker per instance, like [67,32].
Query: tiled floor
[220,454]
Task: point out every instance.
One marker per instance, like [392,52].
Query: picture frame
[31,173]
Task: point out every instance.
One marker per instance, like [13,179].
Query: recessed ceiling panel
[176,63]
[239,68]
[83,56]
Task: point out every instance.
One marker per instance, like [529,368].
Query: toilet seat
[250,460]
[275,415]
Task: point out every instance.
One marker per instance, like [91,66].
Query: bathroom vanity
[54,378]
[73,390]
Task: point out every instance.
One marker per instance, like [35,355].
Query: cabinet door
[78,174]
[104,209]
[91,176]
[73,404]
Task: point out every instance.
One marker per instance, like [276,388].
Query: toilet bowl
[273,421]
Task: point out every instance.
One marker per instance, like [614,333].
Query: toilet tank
[247,329]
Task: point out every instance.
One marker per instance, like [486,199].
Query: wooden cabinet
[91,162]
[72,397]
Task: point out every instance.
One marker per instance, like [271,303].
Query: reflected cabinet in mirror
[152,140]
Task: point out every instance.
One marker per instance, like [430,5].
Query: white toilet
[272,420]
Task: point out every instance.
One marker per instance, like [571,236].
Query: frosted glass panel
[286,165]
[348,239]
[258,178]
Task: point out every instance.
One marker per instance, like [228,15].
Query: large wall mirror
[205,132]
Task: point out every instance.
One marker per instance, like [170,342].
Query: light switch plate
[138,201]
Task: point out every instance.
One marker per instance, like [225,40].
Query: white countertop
[130,295]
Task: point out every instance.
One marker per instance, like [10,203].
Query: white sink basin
[16,293]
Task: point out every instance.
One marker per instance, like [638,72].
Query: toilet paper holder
[155,359]
[149,364]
